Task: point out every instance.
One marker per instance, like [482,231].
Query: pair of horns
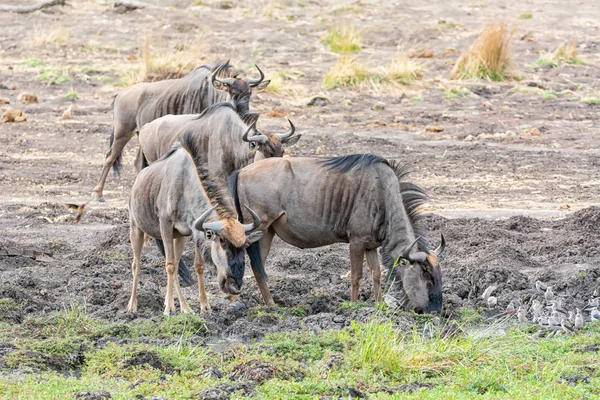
[231,81]
[217,226]
[420,256]
[262,139]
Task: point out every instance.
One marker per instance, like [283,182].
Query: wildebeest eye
[253,145]
[210,235]
[404,262]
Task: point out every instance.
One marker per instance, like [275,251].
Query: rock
[319,150]
[4,100]
[390,301]
[469,138]
[27,98]
[434,128]
[14,115]
[420,53]
[93,395]
[449,51]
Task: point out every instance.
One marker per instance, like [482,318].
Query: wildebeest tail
[144,160]
[117,164]
[184,273]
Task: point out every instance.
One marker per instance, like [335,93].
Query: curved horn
[245,135]
[255,82]
[255,221]
[213,77]
[200,220]
[407,249]
[438,252]
[215,226]
[288,134]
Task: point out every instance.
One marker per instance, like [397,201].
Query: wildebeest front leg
[137,242]
[265,247]
[357,255]
[373,263]
[199,267]
[179,246]
[122,135]
[167,237]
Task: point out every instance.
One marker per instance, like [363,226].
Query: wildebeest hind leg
[137,242]
[373,263]
[167,238]
[357,255]
[265,247]
[179,246]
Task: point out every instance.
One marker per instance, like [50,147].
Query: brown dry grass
[159,61]
[488,57]
[46,35]
[565,54]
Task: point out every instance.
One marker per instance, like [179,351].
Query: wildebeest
[144,102]
[230,142]
[223,143]
[358,199]
[170,200]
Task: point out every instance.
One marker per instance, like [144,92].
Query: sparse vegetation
[53,76]
[455,92]
[342,39]
[71,95]
[488,57]
[525,15]
[346,72]
[41,35]
[403,70]
[565,54]
[591,100]
[160,61]
[32,63]
[283,83]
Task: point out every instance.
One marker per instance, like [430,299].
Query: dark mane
[413,197]
[344,164]
[242,103]
[216,193]
[213,108]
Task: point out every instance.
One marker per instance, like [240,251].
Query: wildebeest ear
[250,118]
[263,84]
[218,85]
[255,236]
[292,140]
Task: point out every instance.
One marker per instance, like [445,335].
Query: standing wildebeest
[357,199]
[144,102]
[222,142]
[171,200]
[225,138]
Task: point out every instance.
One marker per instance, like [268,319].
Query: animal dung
[27,98]
[14,115]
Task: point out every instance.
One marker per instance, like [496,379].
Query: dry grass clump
[488,57]
[346,72]
[45,35]
[403,70]
[565,54]
[283,83]
[159,62]
[349,72]
[342,39]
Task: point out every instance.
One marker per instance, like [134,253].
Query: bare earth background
[514,207]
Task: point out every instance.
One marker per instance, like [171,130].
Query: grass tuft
[525,15]
[48,35]
[346,72]
[71,95]
[342,39]
[403,70]
[488,57]
[565,54]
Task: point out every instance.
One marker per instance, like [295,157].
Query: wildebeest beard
[236,263]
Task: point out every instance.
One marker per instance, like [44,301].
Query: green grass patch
[71,95]
[591,100]
[32,63]
[525,15]
[53,76]
[343,39]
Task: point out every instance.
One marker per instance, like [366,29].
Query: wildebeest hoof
[101,199]
[238,305]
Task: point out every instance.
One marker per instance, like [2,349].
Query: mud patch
[225,391]
[258,372]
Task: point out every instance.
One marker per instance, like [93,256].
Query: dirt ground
[514,207]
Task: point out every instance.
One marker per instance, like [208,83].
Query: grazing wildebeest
[223,143]
[357,199]
[144,102]
[170,200]
[231,142]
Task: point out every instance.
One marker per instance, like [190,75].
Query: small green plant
[565,54]
[549,95]
[32,63]
[525,15]
[343,39]
[71,95]
[53,76]
[591,100]
[455,92]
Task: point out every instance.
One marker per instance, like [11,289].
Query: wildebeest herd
[206,171]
